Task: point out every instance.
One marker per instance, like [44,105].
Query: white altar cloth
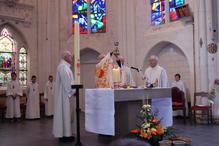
[100,105]
[100,111]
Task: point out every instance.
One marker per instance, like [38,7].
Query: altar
[114,112]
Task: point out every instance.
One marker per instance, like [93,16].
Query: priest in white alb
[14,92]
[62,121]
[156,76]
[48,96]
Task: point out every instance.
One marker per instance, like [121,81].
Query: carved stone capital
[16,12]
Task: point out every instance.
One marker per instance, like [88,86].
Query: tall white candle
[77,52]
[116,75]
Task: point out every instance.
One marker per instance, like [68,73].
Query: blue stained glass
[154,1]
[172,3]
[79,13]
[158,18]
[179,2]
[98,16]
[79,6]
[157,12]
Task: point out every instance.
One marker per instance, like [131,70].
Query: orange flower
[155,120]
[153,131]
[135,131]
[145,135]
[160,130]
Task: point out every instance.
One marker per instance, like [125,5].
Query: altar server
[62,122]
[179,83]
[48,96]
[156,76]
[14,92]
[33,100]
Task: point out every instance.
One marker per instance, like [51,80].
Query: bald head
[67,56]
[153,61]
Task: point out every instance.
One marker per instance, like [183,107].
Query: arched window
[7,56]
[9,52]
[23,66]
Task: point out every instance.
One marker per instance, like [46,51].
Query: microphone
[135,68]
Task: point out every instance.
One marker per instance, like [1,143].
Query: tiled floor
[38,133]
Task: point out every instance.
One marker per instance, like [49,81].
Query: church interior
[181,36]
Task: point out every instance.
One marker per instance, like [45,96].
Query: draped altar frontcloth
[100,111]
[100,106]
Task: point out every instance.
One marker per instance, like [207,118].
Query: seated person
[179,83]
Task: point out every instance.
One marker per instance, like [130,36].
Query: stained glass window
[23,66]
[174,14]
[79,13]
[7,56]
[157,12]
[98,16]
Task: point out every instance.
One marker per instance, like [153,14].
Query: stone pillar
[209,33]
[203,56]
[131,31]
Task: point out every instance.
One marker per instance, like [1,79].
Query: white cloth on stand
[100,111]
[216,101]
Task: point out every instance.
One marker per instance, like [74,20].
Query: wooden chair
[178,100]
[203,109]
[2,106]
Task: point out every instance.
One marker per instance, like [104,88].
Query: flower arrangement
[150,128]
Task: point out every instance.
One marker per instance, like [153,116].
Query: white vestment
[33,102]
[48,96]
[63,93]
[216,102]
[127,78]
[162,106]
[180,85]
[13,105]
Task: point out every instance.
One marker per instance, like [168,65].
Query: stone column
[131,31]
[209,33]
[203,56]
